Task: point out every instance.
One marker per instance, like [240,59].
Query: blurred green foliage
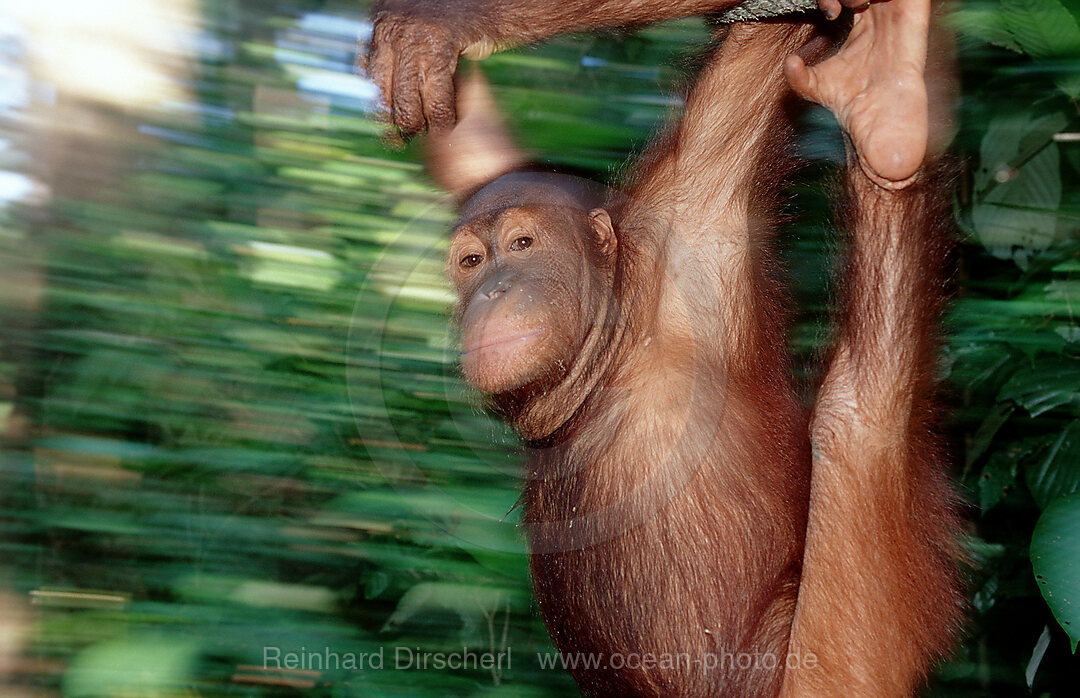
[230,412]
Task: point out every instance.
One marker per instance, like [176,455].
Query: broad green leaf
[1018,184]
[1050,383]
[473,604]
[1043,28]
[1055,557]
[1012,139]
[375,584]
[1057,474]
[985,24]
[149,667]
[302,597]
[996,479]
[978,444]
[1046,30]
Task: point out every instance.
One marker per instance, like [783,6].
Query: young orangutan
[636,341]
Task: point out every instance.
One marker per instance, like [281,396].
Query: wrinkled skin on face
[533,267]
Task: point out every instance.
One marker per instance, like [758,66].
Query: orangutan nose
[496,287]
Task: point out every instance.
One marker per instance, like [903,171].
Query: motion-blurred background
[231,423]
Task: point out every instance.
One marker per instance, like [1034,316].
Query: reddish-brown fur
[880,494]
[670,504]
[696,447]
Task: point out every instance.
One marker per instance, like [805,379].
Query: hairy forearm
[415,45]
[523,21]
[880,599]
[895,271]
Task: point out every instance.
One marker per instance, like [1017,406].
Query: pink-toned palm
[875,86]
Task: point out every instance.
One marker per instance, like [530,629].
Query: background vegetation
[230,414]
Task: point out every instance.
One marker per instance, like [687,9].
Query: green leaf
[1058,473]
[1043,28]
[996,479]
[998,415]
[1049,384]
[147,667]
[1018,184]
[474,604]
[1055,557]
[984,24]
[375,584]
[1012,139]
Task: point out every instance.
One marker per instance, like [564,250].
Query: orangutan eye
[471,260]
[522,243]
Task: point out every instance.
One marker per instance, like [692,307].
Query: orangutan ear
[476,150]
[604,231]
